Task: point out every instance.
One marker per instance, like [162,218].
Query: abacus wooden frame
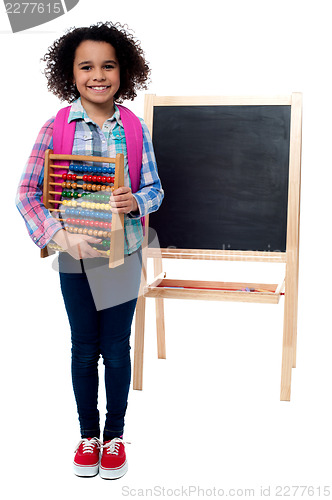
[116,257]
[161,288]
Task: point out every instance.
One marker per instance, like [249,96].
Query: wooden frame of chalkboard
[262,135]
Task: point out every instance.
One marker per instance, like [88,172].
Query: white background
[209,416]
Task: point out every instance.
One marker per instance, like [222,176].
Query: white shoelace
[88,445]
[114,445]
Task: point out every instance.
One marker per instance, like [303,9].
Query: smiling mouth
[99,88]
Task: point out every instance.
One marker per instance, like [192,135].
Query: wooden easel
[51,173]
[208,290]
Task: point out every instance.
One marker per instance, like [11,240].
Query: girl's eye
[107,66]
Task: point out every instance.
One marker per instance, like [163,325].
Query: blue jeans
[97,330]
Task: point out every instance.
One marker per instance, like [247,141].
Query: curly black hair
[134,70]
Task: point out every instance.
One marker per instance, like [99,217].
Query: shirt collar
[77,112]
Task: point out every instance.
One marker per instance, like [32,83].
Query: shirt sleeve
[150,193]
[38,220]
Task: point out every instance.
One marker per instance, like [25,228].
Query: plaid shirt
[89,140]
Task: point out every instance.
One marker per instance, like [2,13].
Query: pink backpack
[63,140]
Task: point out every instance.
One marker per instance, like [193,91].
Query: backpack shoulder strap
[63,140]
[134,139]
[63,133]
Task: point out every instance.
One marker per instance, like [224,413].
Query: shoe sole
[113,473]
[82,471]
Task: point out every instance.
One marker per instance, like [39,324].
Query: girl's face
[96,73]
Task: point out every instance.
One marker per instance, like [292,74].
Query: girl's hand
[122,201]
[77,245]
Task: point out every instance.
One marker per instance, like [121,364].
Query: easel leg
[286,371]
[292,245]
[139,343]
[140,317]
[295,311]
[290,330]
[160,317]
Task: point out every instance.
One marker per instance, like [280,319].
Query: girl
[93,68]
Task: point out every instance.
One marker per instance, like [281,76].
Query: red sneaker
[86,461]
[113,463]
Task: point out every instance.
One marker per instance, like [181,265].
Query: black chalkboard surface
[224,170]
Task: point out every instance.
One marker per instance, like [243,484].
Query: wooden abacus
[85,209]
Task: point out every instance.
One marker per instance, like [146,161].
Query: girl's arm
[150,193]
[41,225]
[39,222]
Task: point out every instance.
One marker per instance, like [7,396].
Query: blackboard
[224,170]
